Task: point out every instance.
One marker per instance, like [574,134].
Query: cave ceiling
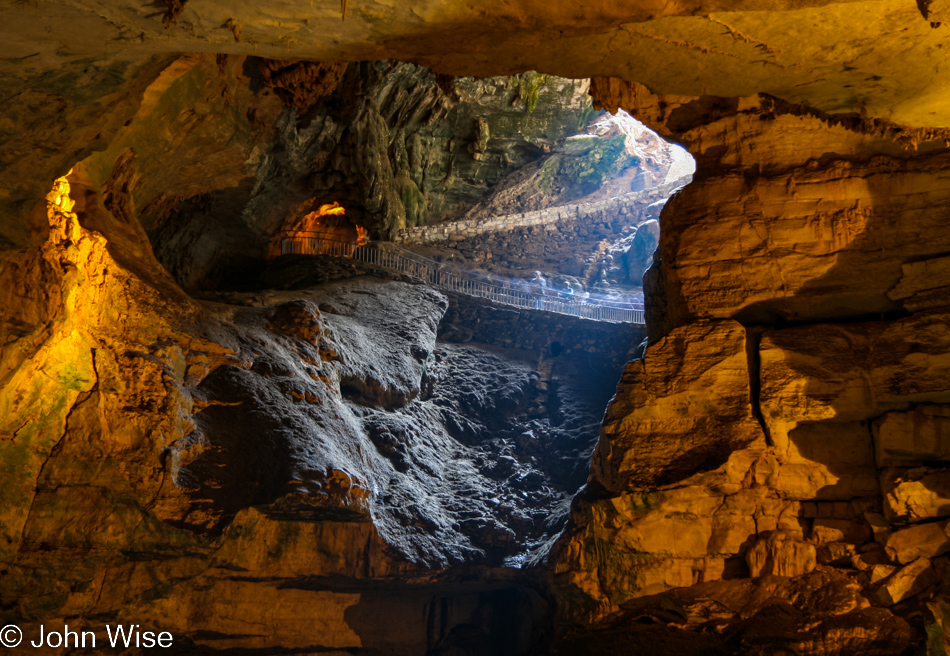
[75,73]
[881,59]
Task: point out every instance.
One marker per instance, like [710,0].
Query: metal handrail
[507,291]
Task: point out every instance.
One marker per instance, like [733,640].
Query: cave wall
[394,143]
[320,452]
[788,413]
[570,240]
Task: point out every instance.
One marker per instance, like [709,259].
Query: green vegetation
[935,630]
[548,173]
[529,87]
[935,640]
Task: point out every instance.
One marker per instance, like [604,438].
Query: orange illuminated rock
[682,409]
[916,495]
[792,217]
[197,461]
[923,540]
[917,437]
[910,580]
[781,555]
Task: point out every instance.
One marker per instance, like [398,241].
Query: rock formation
[770,475]
[282,434]
[759,435]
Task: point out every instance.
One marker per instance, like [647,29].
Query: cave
[449,329]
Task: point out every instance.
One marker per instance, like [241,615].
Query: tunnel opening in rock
[478,389]
[324,231]
[427,402]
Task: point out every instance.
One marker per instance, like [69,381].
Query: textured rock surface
[615,155]
[739,435]
[584,242]
[301,438]
[387,142]
[639,257]
[682,409]
[70,94]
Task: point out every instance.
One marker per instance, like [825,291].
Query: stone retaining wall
[459,230]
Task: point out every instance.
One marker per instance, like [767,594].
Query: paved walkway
[508,291]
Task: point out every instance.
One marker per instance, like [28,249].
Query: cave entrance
[323,231]
[580,219]
[516,204]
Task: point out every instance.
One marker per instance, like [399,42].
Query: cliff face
[789,414]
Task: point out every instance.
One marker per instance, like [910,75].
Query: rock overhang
[881,59]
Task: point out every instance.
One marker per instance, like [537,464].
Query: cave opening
[533,215]
[523,221]
[520,196]
[445,381]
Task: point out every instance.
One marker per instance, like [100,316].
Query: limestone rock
[923,284]
[639,257]
[592,166]
[916,495]
[921,541]
[918,437]
[822,612]
[385,142]
[877,573]
[879,527]
[723,264]
[163,428]
[910,580]
[780,555]
[302,84]
[260,435]
[682,409]
[699,530]
[937,12]
[850,531]
[837,554]
[853,372]
[869,557]
[828,461]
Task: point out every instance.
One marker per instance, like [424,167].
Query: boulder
[906,582]
[869,557]
[923,540]
[916,495]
